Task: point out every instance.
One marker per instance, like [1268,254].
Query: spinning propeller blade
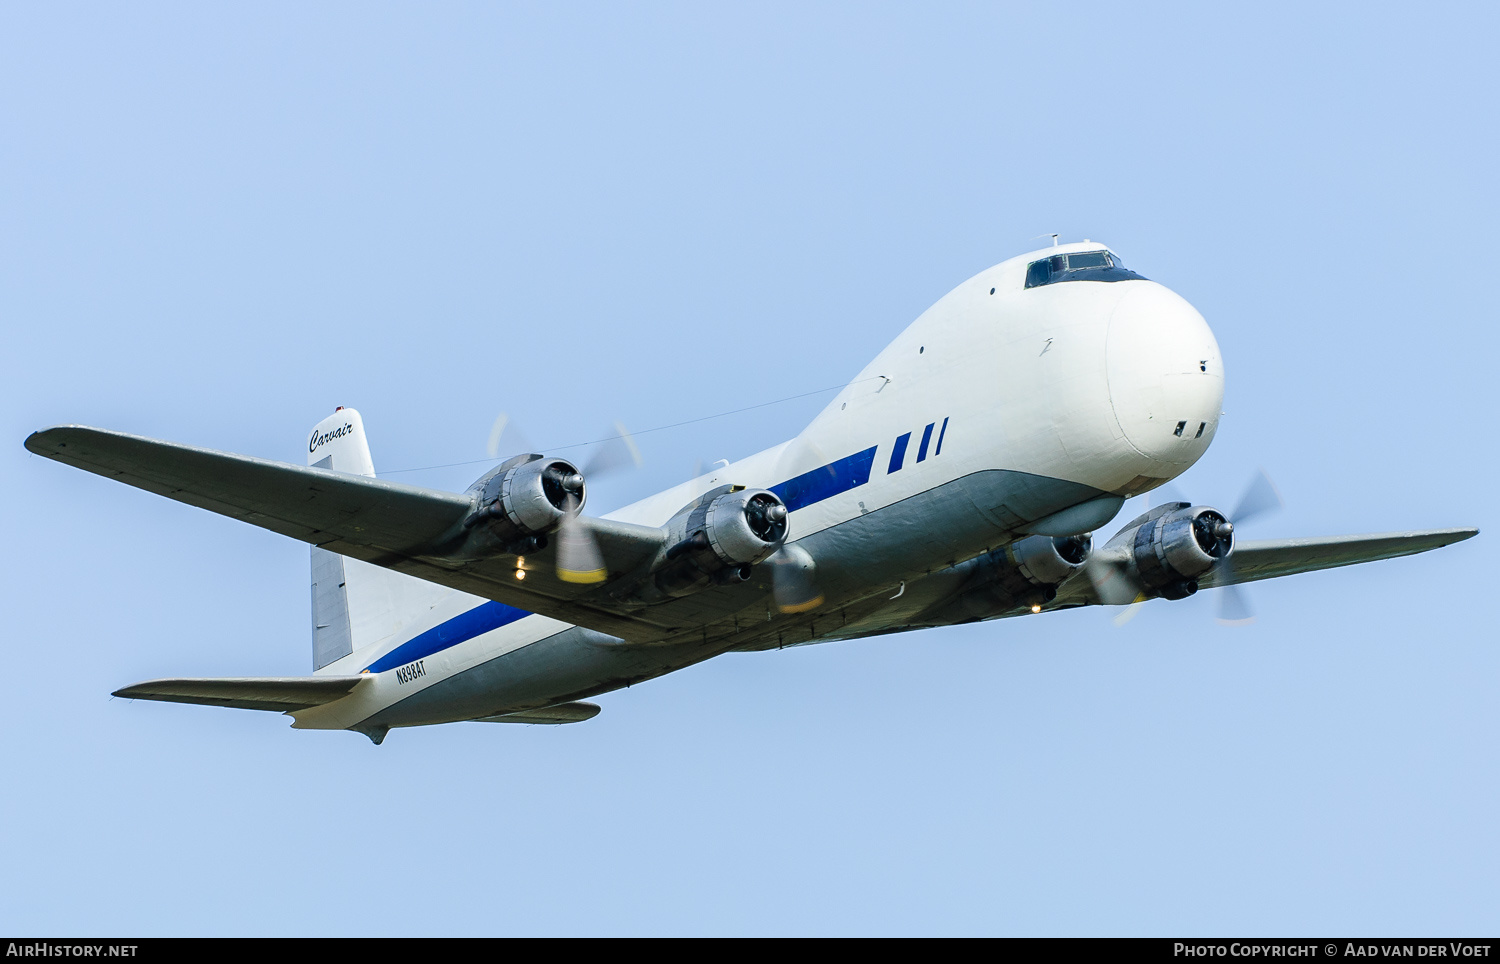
[613,454]
[1111,581]
[506,432]
[1129,612]
[1234,609]
[617,451]
[1260,497]
[794,583]
[578,556]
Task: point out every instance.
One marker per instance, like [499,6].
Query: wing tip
[145,689]
[36,442]
[47,441]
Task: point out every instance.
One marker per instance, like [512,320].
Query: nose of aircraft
[1166,378]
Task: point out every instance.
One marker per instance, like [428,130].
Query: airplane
[958,478]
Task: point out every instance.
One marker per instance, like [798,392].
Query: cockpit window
[1078,266]
[1088,259]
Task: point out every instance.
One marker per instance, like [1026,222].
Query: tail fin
[355,604]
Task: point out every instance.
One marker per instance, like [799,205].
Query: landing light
[520,573]
[1036,608]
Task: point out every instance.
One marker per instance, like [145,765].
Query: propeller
[1260,497]
[617,452]
[1110,577]
[1110,574]
[794,582]
[578,557]
[1111,580]
[505,428]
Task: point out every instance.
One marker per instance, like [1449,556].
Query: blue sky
[219,222]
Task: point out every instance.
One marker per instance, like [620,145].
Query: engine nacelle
[724,536]
[1025,573]
[1044,561]
[524,498]
[1172,545]
[745,527]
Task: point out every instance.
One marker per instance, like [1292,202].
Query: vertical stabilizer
[355,604]
[338,443]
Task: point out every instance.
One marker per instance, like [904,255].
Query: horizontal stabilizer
[279,693]
[561,713]
[1268,558]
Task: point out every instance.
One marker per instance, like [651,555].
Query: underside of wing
[311,504]
[1268,558]
[401,527]
[278,693]
[992,587]
[1253,560]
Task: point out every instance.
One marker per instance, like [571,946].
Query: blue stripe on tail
[459,629]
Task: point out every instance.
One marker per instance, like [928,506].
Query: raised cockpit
[1078,266]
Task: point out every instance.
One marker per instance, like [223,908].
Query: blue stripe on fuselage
[926,437]
[806,489]
[827,481]
[459,629]
[898,454]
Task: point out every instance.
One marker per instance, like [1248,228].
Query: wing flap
[276,693]
[1269,558]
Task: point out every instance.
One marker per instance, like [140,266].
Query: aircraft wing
[401,527]
[312,505]
[1268,558]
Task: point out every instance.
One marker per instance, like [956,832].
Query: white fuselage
[1114,386]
